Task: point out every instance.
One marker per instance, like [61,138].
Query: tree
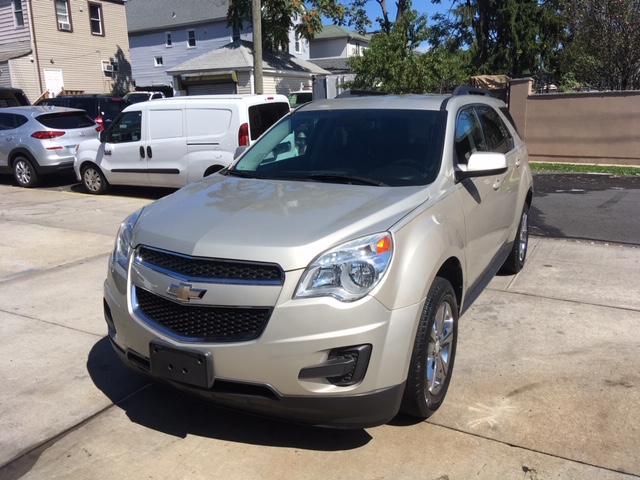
[393,64]
[603,43]
[279,17]
[502,36]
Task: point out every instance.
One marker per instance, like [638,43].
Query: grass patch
[584,168]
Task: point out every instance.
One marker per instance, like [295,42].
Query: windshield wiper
[243,173]
[344,178]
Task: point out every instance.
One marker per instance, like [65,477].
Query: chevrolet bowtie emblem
[185,292]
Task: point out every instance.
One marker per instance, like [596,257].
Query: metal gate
[212,89]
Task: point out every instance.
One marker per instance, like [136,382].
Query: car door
[123,157]
[500,140]
[481,198]
[8,126]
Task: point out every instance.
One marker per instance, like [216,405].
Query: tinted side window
[110,107]
[10,121]
[469,138]
[261,117]
[495,133]
[52,101]
[86,104]
[66,121]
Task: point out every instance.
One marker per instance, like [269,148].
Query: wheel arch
[451,270]
[21,151]
[212,169]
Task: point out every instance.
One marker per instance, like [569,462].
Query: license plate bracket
[191,367]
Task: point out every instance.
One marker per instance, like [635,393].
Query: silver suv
[322,283]
[39,140]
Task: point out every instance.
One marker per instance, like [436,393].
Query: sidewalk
[546,383]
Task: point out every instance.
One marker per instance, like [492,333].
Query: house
[186,47]
[330,50]
[76,45]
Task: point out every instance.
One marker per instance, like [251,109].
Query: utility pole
[256,8]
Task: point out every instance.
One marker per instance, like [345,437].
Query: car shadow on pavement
[174,413]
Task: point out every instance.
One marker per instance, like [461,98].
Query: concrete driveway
[546,385]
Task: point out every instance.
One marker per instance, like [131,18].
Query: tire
[24,173]
[434,352]
[518,255]
[94,180]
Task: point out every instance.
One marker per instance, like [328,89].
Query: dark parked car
[38,140]
[102,108]
[13,97]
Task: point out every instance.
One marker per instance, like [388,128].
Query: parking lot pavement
[546,383]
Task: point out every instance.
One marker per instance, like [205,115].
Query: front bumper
[289,370]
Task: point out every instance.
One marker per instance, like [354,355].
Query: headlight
[123,246]
[349,271]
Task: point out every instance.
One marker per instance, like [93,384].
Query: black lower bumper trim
[340,411]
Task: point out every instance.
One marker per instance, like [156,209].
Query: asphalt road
[594,207]
[587,206]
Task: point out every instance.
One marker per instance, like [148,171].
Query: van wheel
[94,180]
[433,353]
[24,173]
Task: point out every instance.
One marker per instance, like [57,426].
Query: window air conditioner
[107,67]
[64,26]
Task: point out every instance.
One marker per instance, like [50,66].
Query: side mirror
[482,164]
[103,136]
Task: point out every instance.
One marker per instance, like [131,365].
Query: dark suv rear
[13,97]
[102,108]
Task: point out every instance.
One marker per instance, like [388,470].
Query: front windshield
[373,147]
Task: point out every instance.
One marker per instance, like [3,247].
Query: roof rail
[467,90]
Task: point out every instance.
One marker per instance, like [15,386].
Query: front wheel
[433,353]
[518,255]
[24,173]
[94,180]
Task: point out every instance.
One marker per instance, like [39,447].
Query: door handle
[142,152]
[518,162]
[149,154]
[497,183]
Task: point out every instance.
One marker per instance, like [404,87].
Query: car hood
[284,222]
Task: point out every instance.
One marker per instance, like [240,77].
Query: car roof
[35,110]
[428,101]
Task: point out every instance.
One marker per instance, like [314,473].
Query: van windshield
[366,146]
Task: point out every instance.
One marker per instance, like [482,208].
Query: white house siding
[9,33]
[333,47]
[79,54]
[24,74]
[145,47]
[244,82]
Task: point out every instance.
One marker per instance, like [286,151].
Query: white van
[171,142]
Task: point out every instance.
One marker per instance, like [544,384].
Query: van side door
[166,147]
[123,157]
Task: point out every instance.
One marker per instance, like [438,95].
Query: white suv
[323,283]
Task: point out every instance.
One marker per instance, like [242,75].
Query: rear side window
[261,117]
[10,121]
[496,134]
[111,107]
[86,104]
[66,120]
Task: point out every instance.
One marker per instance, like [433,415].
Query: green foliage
[602,47]
[393,64]
[584,168]
[502,36]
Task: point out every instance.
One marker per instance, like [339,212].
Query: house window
[168,42]
[95,14]
[191,38]
[63,16]
[18,16]
[157,61]
[358,48]
[297,43]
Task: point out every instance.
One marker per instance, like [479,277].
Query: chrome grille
[202,323]
[211,269]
